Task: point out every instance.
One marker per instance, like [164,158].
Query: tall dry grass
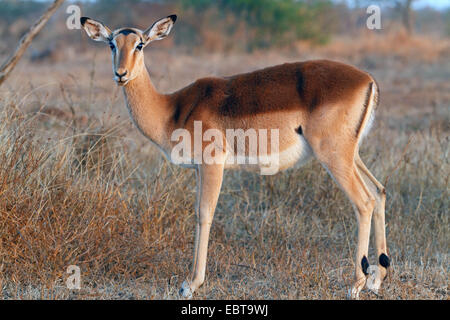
[79,186]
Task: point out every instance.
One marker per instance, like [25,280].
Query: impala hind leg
[346,174]
[376,273]
[209,182]
[363,204]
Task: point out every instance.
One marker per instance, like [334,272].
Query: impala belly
[296,153]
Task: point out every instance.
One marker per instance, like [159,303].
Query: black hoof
[384,260]
[365,265]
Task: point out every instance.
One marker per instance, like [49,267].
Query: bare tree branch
[408,16]
[12,61]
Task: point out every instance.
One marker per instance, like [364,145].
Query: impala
[320,109]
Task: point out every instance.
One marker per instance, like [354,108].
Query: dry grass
[80,186]
[396,46]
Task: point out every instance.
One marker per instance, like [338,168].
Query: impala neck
[149,109]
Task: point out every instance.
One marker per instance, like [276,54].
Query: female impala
[320,108]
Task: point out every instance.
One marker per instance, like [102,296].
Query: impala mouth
[122,83]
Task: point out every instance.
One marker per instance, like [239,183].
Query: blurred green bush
[267,22]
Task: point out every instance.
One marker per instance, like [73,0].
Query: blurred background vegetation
[227,25]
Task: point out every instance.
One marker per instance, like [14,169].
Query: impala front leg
[209,182]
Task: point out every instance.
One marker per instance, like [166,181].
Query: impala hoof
[353,294]
[374,279]
[359,284]
[186,291]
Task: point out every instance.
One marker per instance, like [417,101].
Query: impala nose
[120,74]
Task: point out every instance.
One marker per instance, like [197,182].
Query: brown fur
[301,86]
[304,90]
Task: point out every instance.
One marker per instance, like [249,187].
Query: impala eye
[140,46]
[111,45]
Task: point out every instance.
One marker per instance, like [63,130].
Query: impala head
[127,44]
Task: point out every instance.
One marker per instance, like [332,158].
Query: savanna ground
[80,186]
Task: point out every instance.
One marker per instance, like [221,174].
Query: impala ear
[96,30]
[160,29]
